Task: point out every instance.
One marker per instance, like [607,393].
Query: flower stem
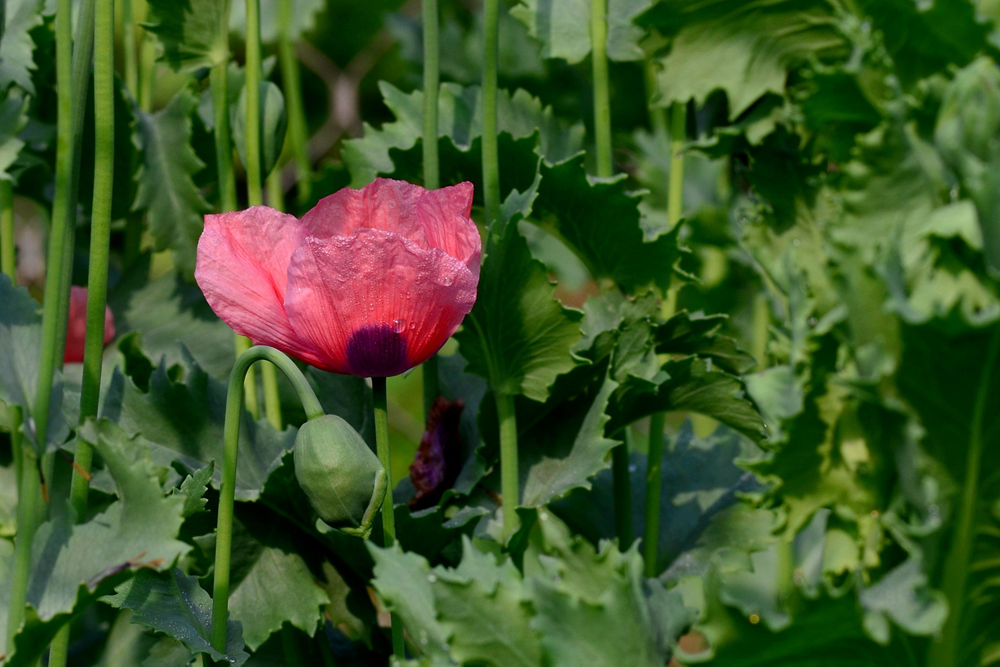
[227,492]
[255,194]
[602,98]
[509,481]
[621,480]
[491,158]
[947,648]
[654,459]
[379,401]
[129,48]
[29,511]
[298,135]
[219,82]
[432,179]
[71,81]
[675,190]
[7,254]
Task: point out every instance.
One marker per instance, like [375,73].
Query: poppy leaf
[167,192]
[518,336]
[12,119]
[189,32]
[175,604]
[563,27]
[17,47]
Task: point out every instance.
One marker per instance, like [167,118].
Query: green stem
[379,401]
[220,112]
[431,84]
[147,66]
[947,647]
[675,189]
[622,488]
[129,48]
[602,97]
[761,322]
[227,492]
[275,192]
[29,510]
[509,481]
[298,134]
[657,114]
[654,482]
[8,256]
[432,179]
[255,193]
[491,158]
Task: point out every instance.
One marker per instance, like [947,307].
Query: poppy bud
[341,476]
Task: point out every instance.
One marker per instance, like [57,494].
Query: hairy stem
[227,492]
[298,131]
[7,254]
[509,481]
[602,96]
[491,159]
[654,473]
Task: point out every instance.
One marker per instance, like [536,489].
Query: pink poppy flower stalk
[370,282]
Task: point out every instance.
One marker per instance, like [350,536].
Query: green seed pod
[343,479]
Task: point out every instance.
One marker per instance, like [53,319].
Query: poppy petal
[444,216]
[383,204]
[376,303]
[242,269]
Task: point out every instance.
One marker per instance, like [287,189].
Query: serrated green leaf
[12,121]
[459,111]
[272,584]
[745,49]
[563,27]
[70,563]
[564,450]
[166,191]
[485,609]
[303,15]
[193,490]
[20,351]
[16,46]
[175,604]
[517,335]
[580,210]
[189,32]
[182,420]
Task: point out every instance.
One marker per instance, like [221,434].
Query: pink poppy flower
[370,282]
[76,328]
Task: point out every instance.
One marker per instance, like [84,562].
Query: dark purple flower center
[376,350]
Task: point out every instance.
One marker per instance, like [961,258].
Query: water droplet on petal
[447,281]
[399,325]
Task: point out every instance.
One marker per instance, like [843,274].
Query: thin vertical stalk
[100,236]
[29,511]
[491,158]
[654,461]
[7,254]
[675,189]
[298,134]
[432,177]
[56,307]
[131,56]
[946,649]
[227,492]
[657,114]
[255,194]
[509,482]
[602,96]
[147,65]
[219,83]
[621,481]
[675,207]
[383,450]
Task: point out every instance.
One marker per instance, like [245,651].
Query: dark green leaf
[190,32]
[175,604]
[563,27]
[272,125]
[16,46]
[167,192]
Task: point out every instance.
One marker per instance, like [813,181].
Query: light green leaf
[189,32]
[175,604]
[563,27]
[563,451]
[16,46]
[272,584]
[181,419]
[459,111]
[71,562]
[12,120]
[167,192]
[517,335]
[303,19]
[745,49]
